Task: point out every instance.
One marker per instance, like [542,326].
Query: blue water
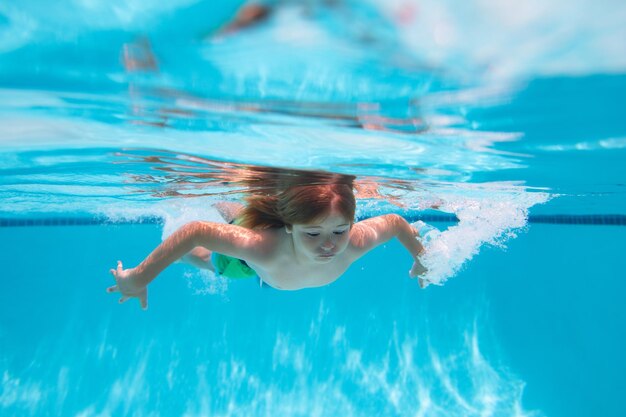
[516,332]
[498,148]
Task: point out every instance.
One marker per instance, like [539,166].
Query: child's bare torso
[282,269]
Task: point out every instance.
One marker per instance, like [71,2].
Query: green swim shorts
[230,267]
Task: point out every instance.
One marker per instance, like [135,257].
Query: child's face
[323,240]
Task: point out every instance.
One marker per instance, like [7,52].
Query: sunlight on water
[409,376]
[533,37]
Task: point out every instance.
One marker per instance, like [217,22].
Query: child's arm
[227,239]
[370,233]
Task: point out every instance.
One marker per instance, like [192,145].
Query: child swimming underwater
[300,234]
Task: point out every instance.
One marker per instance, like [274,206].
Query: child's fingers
[114,288]
[143,301]
[123,299]
[120,268]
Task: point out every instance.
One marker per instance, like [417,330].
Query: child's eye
[312,234]
[340,232]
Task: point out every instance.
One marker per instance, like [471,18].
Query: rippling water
[119,115]
[487,111]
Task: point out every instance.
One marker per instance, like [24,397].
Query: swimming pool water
[517,332]
[506,151]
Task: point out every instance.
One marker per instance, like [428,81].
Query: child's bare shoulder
[368,233]
[359,234]
[271,242]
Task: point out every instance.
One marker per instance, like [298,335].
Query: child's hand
[128,285]
[417,270]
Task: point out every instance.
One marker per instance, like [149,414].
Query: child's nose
[328,244]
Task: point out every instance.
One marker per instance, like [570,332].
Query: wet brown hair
[297,197]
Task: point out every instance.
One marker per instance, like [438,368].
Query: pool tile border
[569,219]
